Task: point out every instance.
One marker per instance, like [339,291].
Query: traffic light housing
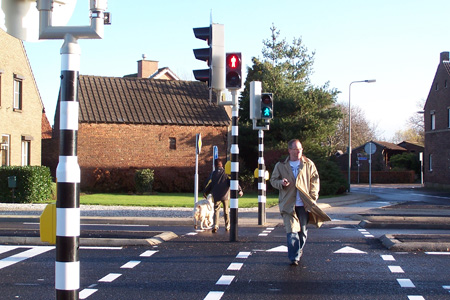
[214,56]
[255,100]
[233,74]
[266,106]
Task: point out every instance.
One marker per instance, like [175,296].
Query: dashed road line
[225,280]
[148,253]
[396,269]
[86,293]
[405,283]
[388,257]
[110,277]
[131,264]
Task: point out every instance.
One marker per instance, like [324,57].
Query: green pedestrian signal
[266,106]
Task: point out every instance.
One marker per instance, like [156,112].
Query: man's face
[295,152]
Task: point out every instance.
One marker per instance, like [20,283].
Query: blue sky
[395,42]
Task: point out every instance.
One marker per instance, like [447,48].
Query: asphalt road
[342,260]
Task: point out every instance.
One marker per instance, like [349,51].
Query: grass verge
[166,200]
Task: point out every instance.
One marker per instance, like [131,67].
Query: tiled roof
[390,146]
[147,101]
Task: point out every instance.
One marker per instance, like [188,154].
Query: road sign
[370,148]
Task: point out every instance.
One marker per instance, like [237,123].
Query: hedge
[33,184]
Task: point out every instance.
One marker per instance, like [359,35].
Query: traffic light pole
[261,180]
[234,183]
[67,263]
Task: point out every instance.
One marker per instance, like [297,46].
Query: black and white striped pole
[261,180]
[67,264]
[234,183]
[255,115]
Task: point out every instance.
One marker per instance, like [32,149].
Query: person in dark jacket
[219,187]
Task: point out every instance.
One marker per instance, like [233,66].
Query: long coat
[307,180]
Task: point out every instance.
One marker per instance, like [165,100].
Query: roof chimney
[146,68]
[444,56]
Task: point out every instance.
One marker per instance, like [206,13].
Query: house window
[433,121]
[26,153]
[430,161]
[5,150]
[445,84]
[437,87]
[172,143]
[17,105]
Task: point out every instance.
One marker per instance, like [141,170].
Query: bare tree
[362,130]
[415,127]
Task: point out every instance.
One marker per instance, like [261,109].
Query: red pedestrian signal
[233,77]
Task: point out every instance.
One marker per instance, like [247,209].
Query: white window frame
[26,152]
[5,149]
[18,84]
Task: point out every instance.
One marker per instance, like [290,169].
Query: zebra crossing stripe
[13,259]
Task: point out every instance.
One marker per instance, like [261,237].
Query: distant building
[22,115]
[138,122]
[437,127]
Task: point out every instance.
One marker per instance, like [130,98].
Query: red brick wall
[127,147]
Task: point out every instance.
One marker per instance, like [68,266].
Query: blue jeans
[296,240]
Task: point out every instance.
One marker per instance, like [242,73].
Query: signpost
[370,149]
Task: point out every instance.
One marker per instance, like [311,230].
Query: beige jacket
[307,179]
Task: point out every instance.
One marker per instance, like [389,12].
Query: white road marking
[243,255]
[368,235]
[131,264]
[235,266]
[4,249]
[278,249]
[191,233]
[339,227]
[263,234]
[100,248]
[446,287]
[349,250]
[406,283]
[148,253]
[86,293]
[388,257]
[396,269]
[13,259]
[110,277]
[437,253]
[225,280]
[214,295]
[416,297]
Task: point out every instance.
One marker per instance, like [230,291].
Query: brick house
[137,122]
[437,128]
[21,109]
[380,159]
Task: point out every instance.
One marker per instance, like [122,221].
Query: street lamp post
[349,151]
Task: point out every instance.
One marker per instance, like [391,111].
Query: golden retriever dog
[204,212]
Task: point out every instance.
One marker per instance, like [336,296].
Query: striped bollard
[261,180]
[234,183]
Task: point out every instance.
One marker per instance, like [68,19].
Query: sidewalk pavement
[432,218]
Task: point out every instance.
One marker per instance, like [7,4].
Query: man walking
[294,178]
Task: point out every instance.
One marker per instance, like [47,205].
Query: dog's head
[209,198]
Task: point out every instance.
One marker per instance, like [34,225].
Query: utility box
[48,224]
[12,182]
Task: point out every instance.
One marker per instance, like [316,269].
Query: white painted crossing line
[388,257]
[131,264]
[13,259]
[416,297]
[278,249]
[100,248]
[110,277]
[235,266]
[396,269]
[243,255]
[86,293]
[437,253]
[191,233]
[349,250]
[405,283]
[225,280]
[148,253]
[214,295]
[4,249]
[446,287]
